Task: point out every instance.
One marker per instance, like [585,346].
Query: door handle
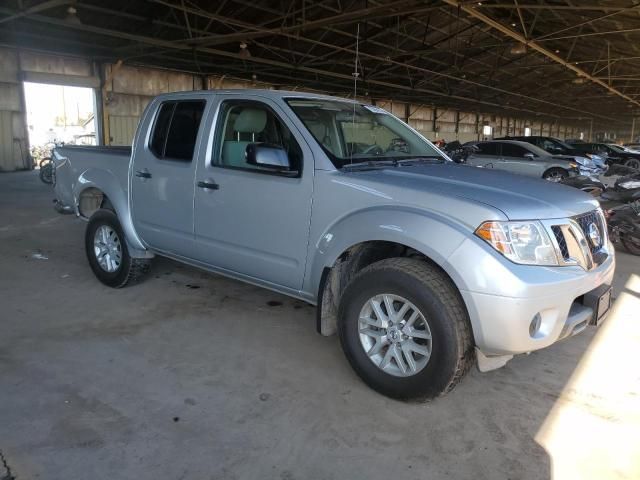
[143,174]
[209,185]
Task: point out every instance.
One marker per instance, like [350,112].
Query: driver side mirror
[529,156]
[270,156]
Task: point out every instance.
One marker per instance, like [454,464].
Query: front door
[248,219]
[487,155]
[514,160]
[162,176]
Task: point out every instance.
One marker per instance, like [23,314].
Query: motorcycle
[623,223]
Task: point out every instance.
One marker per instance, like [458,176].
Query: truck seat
[249,123]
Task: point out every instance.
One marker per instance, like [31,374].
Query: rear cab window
[175,130]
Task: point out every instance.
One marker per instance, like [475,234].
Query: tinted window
[488,148]
[160,129]
[511,150]
[176,129]
[252,122]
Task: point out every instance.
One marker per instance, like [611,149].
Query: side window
[488,148]
[244,123]
[511,150]
[176,129]
[160,128]
[548,145]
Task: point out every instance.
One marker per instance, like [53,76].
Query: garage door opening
[58,114]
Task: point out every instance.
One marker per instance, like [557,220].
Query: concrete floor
[192,376]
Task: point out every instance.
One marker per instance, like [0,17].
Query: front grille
[584,221]
[571,238]
[562,243]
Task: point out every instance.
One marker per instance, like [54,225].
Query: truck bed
[77,163]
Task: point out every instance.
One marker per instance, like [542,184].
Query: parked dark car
[613,154]
[552,145]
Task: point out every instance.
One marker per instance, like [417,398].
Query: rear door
[254,221]
[163,173]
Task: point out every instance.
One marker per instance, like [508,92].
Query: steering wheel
[374,150]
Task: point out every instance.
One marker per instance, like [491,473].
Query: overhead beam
[39,7]
[535,46]
[327,73]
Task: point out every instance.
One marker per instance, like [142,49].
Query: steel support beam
[535,46]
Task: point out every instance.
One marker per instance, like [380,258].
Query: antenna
[355,89]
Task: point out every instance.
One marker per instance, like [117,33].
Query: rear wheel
[633,163]
[107,251]
[46,173]
[404,329]
[555,174]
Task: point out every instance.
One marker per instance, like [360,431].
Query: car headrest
[250,120]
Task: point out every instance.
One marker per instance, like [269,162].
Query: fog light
[534,326]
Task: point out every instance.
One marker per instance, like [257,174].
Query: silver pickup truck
[420,265]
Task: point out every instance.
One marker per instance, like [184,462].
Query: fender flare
[427,232]
[109,185]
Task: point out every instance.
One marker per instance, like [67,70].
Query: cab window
[245,123]
[175,130]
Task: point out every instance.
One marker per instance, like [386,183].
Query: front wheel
[555,174]
[107,251]
[633,163]
[404,329]
[46,173]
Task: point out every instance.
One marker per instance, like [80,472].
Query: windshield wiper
[395,162]
[370,164]
[426,159]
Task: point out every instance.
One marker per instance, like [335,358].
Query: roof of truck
[264,93]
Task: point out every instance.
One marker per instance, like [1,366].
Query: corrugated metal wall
[128,90]
[14,145]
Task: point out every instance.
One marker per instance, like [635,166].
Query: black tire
[555,174]
[44,161]
[46,174]
[631,245]
[433,293]
[633,163]
[129,270]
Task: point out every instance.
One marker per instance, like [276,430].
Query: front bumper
[503,298]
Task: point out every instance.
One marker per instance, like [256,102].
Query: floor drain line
[7,470]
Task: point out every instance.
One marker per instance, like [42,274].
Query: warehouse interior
[193,375]
[451,69]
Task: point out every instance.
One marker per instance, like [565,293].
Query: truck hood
[518,197]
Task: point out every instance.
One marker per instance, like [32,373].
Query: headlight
[573,165]
[521,242]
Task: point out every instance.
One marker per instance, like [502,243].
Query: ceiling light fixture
[244,51]
[72,16]
[519,49]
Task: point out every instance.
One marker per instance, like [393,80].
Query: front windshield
[618,148]
[353,133]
